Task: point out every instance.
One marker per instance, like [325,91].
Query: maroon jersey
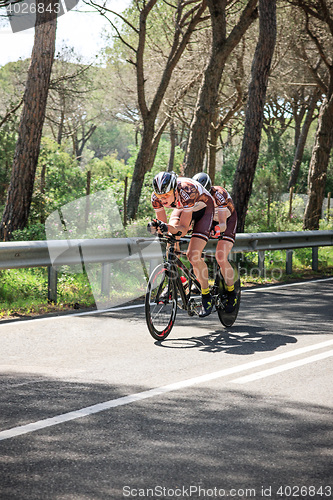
[192,196]
[222,201]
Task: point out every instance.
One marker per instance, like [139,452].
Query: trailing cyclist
[191,202]
[225,221]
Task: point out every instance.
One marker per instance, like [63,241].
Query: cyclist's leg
[202,223]
[194,255]
[198,242]
[223,249]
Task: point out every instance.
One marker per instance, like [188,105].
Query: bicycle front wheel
[160,303]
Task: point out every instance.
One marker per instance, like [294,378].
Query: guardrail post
[261,262]
[315,258]
[289,261]
[105,285]
[52,275]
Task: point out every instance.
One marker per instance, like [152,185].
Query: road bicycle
[173,285]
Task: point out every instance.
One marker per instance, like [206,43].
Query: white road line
[282,368]
[113,403]
[75,315]
[124,308]
[285,285]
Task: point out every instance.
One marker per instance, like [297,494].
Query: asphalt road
[91,407]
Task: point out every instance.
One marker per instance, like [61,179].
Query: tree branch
[12,111]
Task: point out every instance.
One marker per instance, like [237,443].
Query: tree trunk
[208,94]
[172,146]
[182,34]
[302,141]
[244,175]
[213,138]
[62,119]
[42,192]
[31,125]
[143,164]
[318,165]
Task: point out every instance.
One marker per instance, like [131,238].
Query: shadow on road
[236,342]
[202,437]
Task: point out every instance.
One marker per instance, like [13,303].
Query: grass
[23,292]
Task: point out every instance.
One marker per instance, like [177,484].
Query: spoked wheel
[227,319]
[160,303]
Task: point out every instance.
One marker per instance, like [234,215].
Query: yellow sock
[205,291]
[231,288]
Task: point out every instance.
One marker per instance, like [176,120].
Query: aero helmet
[204,180]
[164,182]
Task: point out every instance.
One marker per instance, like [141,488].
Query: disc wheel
[160,303]
[228,319]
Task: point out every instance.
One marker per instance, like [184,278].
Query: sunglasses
[164,195]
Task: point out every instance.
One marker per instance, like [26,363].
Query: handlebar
[158,224]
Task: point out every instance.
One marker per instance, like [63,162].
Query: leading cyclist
[191,202]
[225,217]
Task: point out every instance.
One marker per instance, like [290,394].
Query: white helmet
[164,182]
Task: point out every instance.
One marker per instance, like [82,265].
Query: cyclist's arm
[161,215]
[183,225]
[223,215]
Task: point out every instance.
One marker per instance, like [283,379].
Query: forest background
[240,89]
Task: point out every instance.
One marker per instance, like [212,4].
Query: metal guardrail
[55,253]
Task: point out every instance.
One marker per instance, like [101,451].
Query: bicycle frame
[165,284]
[173,264]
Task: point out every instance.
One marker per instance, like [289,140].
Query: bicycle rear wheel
[227,319]
[160,303]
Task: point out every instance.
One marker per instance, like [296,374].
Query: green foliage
[112,138]
[8,137]
[161,163]
[21,284]
[64,181]
[74,288]
[257,216]
[225,176]
[7,148]
[33,232]
[24,291]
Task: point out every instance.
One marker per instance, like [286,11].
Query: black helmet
[164,182]
[204,179]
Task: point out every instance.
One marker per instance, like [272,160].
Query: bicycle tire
[228,319]
[160,313]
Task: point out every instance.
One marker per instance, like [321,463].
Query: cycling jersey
[222,200]
[191,196]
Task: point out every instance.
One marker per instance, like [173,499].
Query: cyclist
[225,221]
[191,202]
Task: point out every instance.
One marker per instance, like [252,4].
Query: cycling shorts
[230,231]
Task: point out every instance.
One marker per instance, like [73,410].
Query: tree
[244,175]
[20,190]
[315,45]
[232,95]
[185,21]
[221,48]
[300,139]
